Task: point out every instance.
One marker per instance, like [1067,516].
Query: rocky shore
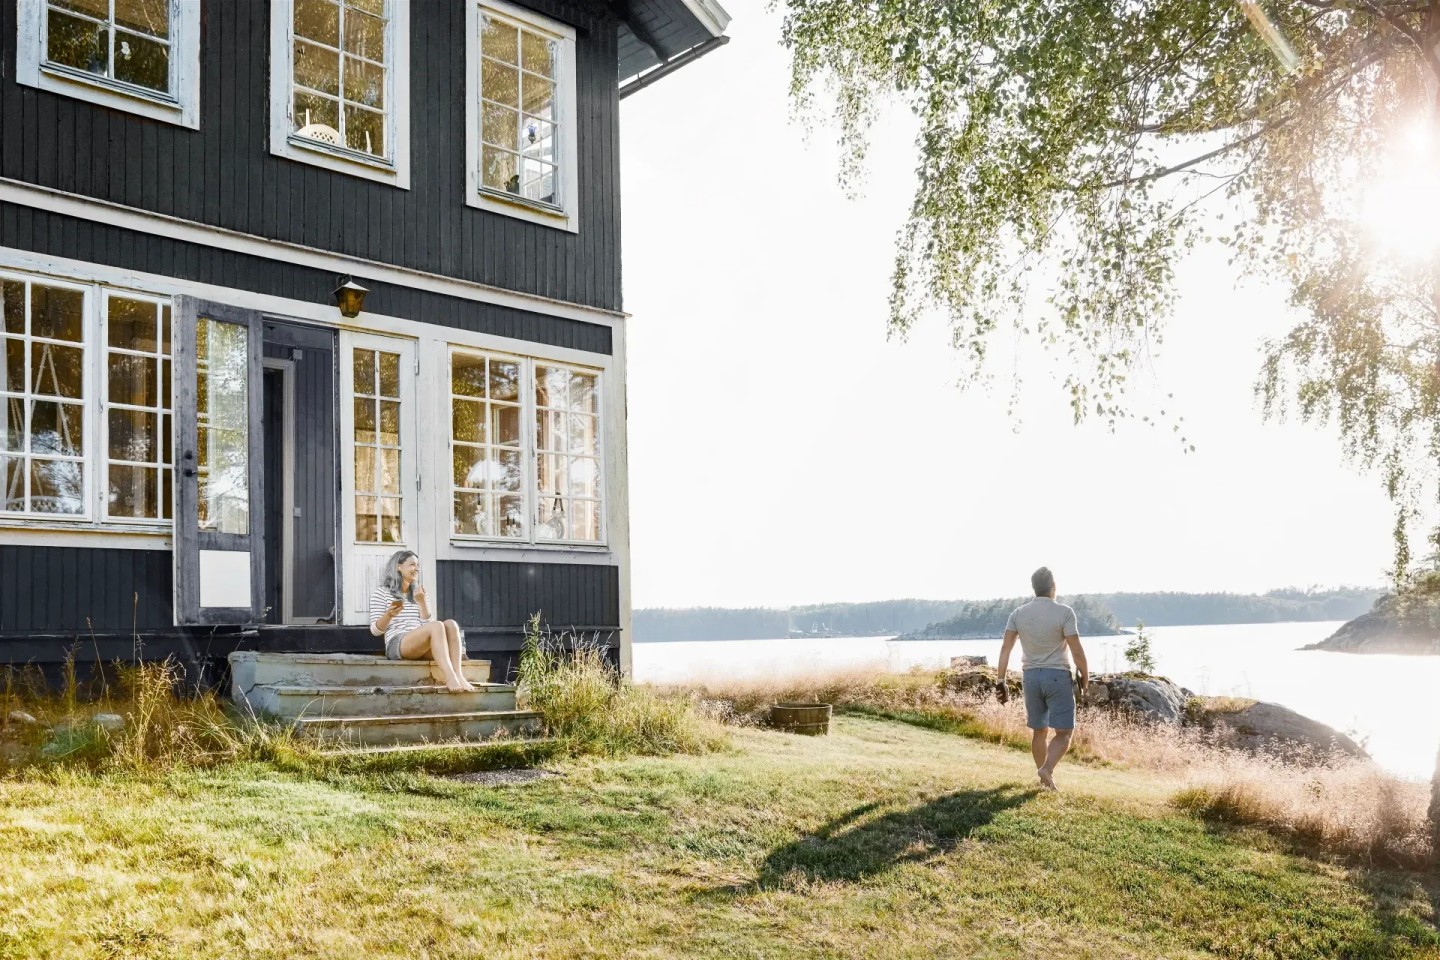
[1379,632]
[1243,724]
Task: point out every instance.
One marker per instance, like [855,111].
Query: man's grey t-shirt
[1043,626]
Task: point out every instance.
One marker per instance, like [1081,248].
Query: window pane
[539,97]
[12,484]
[317,68]
[131,324]
[319,20]
[505,471]
[390,471]
[12,426]
[12,307]
[226,490]
[364,421]
[584,520]
[364,35]
[132,380]
[364,83]
[376,7]
[537,140]
[57,428]
[78,43]
[497,40]
[584,477]
[57,371]
[550,519]
[499,171]
[470,517]
[134,492]
[167,493]
[133,436]
[365,131]
[99,9]
[583,436]
[537,53]
[57,486]
[390,374]
[500,83]
[367,527]
[467,421]
[167,455]
[499,125]
[390,520]
[365,469]
[364,367]
[389,423]
[57,314]
[146,16]
[582,393]
[467,375]
[505,426]
[12,376]
[550,474]
[142,61]
[510,513]
[539,180]
[504,380]
[317,118]
[550,430]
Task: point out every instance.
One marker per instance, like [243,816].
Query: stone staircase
[352,700]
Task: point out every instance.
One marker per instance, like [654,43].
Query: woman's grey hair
[391,580]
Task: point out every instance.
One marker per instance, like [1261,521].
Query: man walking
[1048,635]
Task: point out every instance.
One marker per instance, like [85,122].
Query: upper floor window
[521,141]
[141,56]
[340,86]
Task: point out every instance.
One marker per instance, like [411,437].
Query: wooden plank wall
[493,594]
[50,233]
[224,175]
[79,589]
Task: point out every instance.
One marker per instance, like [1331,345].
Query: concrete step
[419,728]
[288,701]
[249,668]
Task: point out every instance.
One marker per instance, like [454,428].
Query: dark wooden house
[206,441]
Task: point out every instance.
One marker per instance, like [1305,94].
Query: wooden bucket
[807,719]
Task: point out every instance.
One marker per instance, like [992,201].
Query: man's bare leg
[1058,746]
[1038,746]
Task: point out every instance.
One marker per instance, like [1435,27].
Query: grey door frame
[190,540]
[287,486]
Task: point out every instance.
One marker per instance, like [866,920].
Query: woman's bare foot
[1047,779]
[460,685]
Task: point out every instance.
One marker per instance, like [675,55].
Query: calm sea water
[1388,702]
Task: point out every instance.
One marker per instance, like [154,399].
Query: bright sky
[783,451]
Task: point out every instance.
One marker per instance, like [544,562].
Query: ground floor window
[524,449]
[138,476]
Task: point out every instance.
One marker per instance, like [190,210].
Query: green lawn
[883,840]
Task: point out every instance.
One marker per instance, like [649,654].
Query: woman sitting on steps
[400,612]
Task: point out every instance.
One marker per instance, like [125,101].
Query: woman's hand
[395,607]
[419,593]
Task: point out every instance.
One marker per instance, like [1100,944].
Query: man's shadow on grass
[852,847]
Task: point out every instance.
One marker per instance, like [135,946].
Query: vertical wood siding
[224,175]
[49,233]
[79,589]
[498,594]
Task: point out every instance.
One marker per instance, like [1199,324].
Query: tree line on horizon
[890,617]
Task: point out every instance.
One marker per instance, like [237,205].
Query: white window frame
[396,170]
[180,106]
[96,459]
[567,215]
[165,412]
[89,383]
[528,447]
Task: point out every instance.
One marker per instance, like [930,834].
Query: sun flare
[1400,207]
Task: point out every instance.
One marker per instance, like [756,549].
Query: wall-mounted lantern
[350,297]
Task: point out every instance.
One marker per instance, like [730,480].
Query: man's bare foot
[1047,779]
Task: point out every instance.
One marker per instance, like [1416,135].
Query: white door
[380,467]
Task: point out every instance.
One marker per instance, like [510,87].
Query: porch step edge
[375,690]
[364,721]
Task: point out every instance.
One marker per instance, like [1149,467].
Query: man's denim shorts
[1049,699]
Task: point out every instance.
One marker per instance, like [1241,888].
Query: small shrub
[1138,652]
[586,703]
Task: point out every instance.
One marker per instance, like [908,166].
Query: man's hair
[1043,581]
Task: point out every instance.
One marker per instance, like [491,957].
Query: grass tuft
[588,705]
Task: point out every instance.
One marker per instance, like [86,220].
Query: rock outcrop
[1271,727]
[1379,632]
[1151,698]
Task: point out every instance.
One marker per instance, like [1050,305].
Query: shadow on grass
[852,847]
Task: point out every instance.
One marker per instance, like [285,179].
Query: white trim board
[220,238]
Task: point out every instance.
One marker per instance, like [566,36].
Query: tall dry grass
[1337,804]
[162,725]
[591,708]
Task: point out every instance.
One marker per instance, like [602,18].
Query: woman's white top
[402,623]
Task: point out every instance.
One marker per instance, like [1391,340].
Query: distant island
[988,619]
[1407,622]
[898,617]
